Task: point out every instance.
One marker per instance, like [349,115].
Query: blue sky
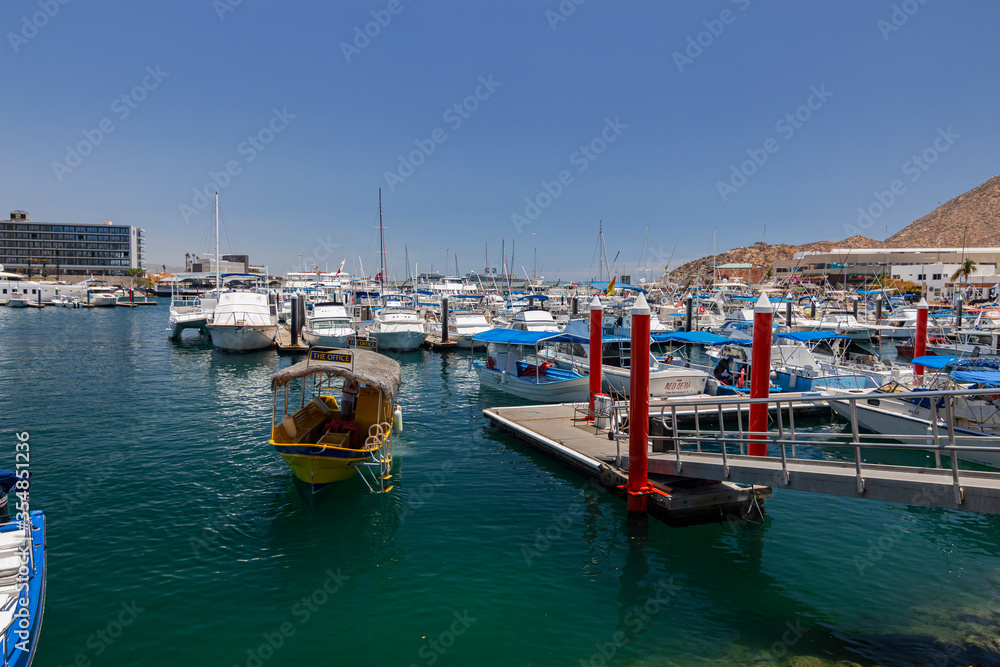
[671,115]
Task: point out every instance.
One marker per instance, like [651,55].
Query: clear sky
[522,122]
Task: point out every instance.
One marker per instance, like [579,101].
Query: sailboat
[395,327]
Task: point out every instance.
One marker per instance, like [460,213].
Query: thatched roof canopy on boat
[370,368]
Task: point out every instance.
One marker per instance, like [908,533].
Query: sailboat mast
[715,258]
[218,272]
[381,233]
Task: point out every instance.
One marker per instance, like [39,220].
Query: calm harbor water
[176,536]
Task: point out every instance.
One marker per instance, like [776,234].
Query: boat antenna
[218,273]
[381,233]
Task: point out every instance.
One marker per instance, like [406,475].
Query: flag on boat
[611,287]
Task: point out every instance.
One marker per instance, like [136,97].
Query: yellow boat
[326,439]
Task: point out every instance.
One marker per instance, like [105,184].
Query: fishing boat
[964,342]
[344,422]
[65,301]
[22,575]
[328,325]
[541,381]
[665,379]
[899,412]
[397,328]
[242,322]
[102,296]
[463,325]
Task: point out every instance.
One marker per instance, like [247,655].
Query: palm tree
[967,268]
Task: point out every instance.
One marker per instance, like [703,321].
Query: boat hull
[319,465]
[313,339]
[23,640]
[668,382]
[398,340]
[563,391]
[241,338]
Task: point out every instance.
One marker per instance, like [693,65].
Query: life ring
[701,309]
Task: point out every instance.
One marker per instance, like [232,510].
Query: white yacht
[14,285]
[328,325]
[534,319]
[397,329]
[462,326]
[242,322]
[102,296]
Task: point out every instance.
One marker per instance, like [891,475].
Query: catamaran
[325,439]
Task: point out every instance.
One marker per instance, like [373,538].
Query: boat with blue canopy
[538,380]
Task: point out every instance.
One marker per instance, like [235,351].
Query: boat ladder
[377,471]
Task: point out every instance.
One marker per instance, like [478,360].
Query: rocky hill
[764,255]
[973,217]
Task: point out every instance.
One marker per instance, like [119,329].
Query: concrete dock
[560,432]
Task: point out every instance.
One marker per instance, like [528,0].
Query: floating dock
[435,343]
[561,432]
[283,342]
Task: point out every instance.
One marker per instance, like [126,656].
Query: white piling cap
[923,303]
[596,304]
[640,307]
[763,304]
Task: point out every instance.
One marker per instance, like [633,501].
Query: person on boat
[721,371]
[349,399]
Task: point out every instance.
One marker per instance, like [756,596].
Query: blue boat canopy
[803,336]
[965,363]
[700,337]
[516,337]
[990,378]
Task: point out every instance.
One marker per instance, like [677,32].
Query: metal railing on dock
[800,459]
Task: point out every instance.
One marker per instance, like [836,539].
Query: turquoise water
[176,536]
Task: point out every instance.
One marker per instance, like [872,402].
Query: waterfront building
[60,249]
[930,267]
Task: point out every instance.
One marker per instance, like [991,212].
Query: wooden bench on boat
[305,424]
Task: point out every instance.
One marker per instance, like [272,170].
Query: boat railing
[790,443]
